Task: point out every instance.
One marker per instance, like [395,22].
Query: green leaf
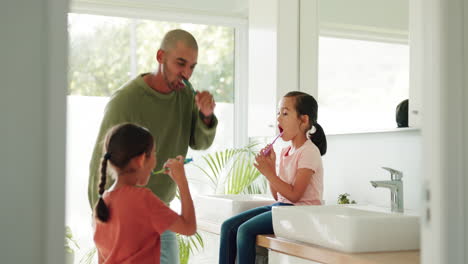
[187,244]
[89,256]
[69,240]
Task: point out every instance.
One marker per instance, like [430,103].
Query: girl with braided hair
[129,218]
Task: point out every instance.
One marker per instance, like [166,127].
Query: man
[176,115]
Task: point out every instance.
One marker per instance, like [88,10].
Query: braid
[102,184]
[102,211]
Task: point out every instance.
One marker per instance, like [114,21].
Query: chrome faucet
[396,188]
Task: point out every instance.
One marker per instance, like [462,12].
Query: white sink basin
[347,228]
[217,208]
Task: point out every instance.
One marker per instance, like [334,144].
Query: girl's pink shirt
[308,157]
[132,233]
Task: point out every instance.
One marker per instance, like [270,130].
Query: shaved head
[172,37]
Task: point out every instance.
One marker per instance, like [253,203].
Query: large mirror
[363,64]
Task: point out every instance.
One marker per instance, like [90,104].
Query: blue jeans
[239,233]
[169,248]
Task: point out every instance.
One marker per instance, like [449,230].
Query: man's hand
[205,103]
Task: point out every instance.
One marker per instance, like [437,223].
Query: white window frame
[151,11]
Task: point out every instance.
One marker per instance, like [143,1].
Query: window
[104,53]
[360,84]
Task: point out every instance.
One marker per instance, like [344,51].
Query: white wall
[355,159]
[262,64]
[352,160]
[184,9]
[444,123]
[32,110]
[377,18]
[235,7]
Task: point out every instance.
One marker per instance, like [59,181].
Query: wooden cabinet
[275,257]
[317,254]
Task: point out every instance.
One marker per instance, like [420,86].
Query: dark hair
[122,143]
[401,115]
[307,105]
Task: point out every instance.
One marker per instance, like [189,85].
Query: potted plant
[344,199]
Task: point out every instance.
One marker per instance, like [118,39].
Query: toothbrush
[267,151]
[163,169]
[186,84]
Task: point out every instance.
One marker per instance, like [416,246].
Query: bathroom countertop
[329,256]
[321,254]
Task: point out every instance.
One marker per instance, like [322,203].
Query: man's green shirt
[172,119]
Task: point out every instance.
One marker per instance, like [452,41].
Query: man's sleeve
[202,135]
